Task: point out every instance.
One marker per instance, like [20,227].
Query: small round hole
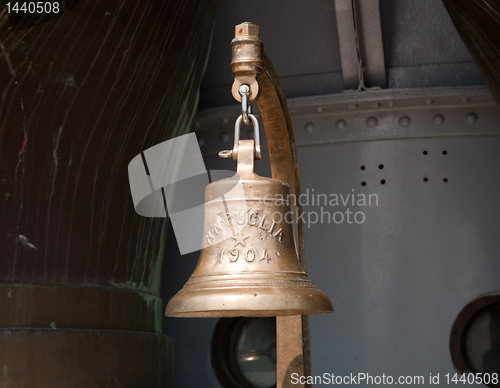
[425,152]
[426,179]
[445,180]
[362,167]
[382,181]
[363,183]
[445,152]
[381,166]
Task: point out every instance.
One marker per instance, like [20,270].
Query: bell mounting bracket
[252,69]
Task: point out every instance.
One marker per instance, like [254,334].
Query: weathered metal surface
[62,307]
[478,22]
[83,358]
[80,96]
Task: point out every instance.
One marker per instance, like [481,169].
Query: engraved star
[240,239]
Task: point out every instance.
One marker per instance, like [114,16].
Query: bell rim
[245,313]
[257,302]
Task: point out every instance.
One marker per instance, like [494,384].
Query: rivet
[470,118]
[197,124]
[375,105]
[320,109]
[224,137]
[404,121]
[390,104]
[201,142]
[250,133]
[429,101]
[340,124]
[352,106]
[438,119]
[372,122]
[309,127]
[225,120]
[465,99]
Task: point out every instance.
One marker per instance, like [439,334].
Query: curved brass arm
[252,66]
[281,143]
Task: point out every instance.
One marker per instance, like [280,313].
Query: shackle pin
[249,119]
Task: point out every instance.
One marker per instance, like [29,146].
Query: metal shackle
[237,130]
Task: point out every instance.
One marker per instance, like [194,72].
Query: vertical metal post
[349,57]
[360,40]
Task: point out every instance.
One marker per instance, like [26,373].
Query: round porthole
[475,339]
[243,352]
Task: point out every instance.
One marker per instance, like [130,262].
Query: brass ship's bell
[248,264]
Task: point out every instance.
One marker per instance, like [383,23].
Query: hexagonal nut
[246,29]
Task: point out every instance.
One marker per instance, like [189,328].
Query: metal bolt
[466,99]
[390,104]
[375,104]
[372,122]
[471,118]
[429,101]
[320,109]
[309,127]
[438,119]
[246,29]
[244,89]
[352,106]
[340,124]
[224,137]
[197,124]
[404,121]
[201,142]
[225,120]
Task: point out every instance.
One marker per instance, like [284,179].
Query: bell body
[248,265]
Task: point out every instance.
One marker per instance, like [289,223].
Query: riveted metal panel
[370,115]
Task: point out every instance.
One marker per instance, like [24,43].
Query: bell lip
[244,313]
[264,302]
